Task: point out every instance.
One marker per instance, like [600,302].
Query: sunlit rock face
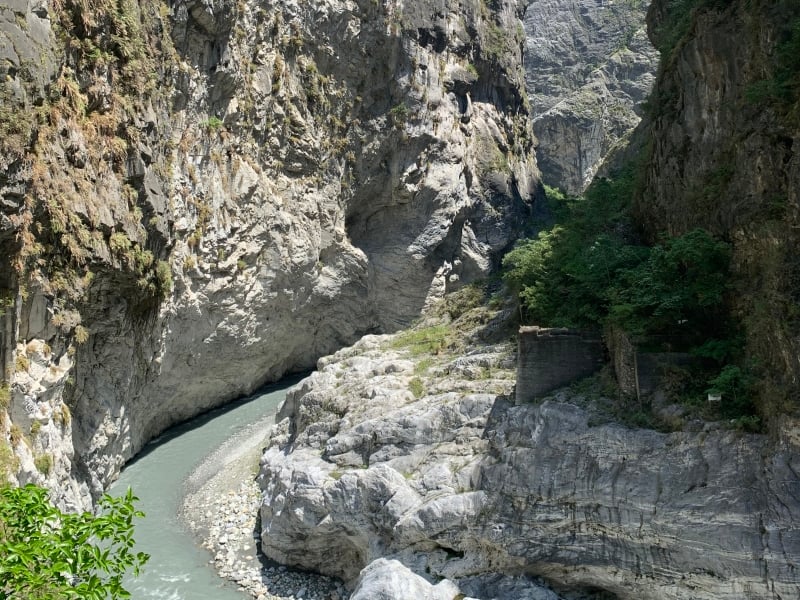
[267,182]
[589,65]
[428,462]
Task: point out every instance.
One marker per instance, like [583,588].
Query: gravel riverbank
[220,508]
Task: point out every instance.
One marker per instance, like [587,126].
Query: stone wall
[640,373]
[652,367]
[623,358]
[551,358]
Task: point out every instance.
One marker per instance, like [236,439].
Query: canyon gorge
[198,197]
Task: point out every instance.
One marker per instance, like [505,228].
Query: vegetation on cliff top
[590,269]
[68,146]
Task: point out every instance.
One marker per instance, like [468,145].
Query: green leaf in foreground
[48,554]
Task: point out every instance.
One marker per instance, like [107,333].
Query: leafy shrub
[43,463]
[164,276]
[46,554]
[119,243]
[735,384]
[589,270]
[680,287]
[563,277]
[399,114]
[212,124]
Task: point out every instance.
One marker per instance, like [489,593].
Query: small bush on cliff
[5,396]
[678,288]
[399,114]
[46,554]
[735,385]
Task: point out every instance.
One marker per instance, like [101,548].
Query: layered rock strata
[210,194]
[589,66]
[426,461]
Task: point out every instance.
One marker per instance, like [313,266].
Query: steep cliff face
[211,194]
[588,67]
[725,135]
[424,461]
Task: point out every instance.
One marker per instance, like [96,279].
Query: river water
[179,568]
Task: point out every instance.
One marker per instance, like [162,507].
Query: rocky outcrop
[385,579]
[212,194]
[589,66]
[425,460]
[724,157]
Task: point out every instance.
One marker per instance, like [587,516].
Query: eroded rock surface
[458,482]
[282,178]
[588,67]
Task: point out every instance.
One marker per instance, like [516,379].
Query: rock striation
[589,66]
[236,190]
[450,481]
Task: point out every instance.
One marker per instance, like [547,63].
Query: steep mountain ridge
[589,66]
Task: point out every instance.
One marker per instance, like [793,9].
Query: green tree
[679,288]
[48,554]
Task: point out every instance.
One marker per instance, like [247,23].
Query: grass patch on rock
[432,339]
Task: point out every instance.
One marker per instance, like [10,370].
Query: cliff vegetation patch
[590,269]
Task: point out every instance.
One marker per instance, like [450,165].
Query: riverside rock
[460,483]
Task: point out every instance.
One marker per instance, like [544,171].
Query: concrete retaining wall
[552,358]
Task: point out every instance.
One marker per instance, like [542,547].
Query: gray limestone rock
[588,66]
[457,482]
[386,579]
[307,173]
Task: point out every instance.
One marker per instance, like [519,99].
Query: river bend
[179,568]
